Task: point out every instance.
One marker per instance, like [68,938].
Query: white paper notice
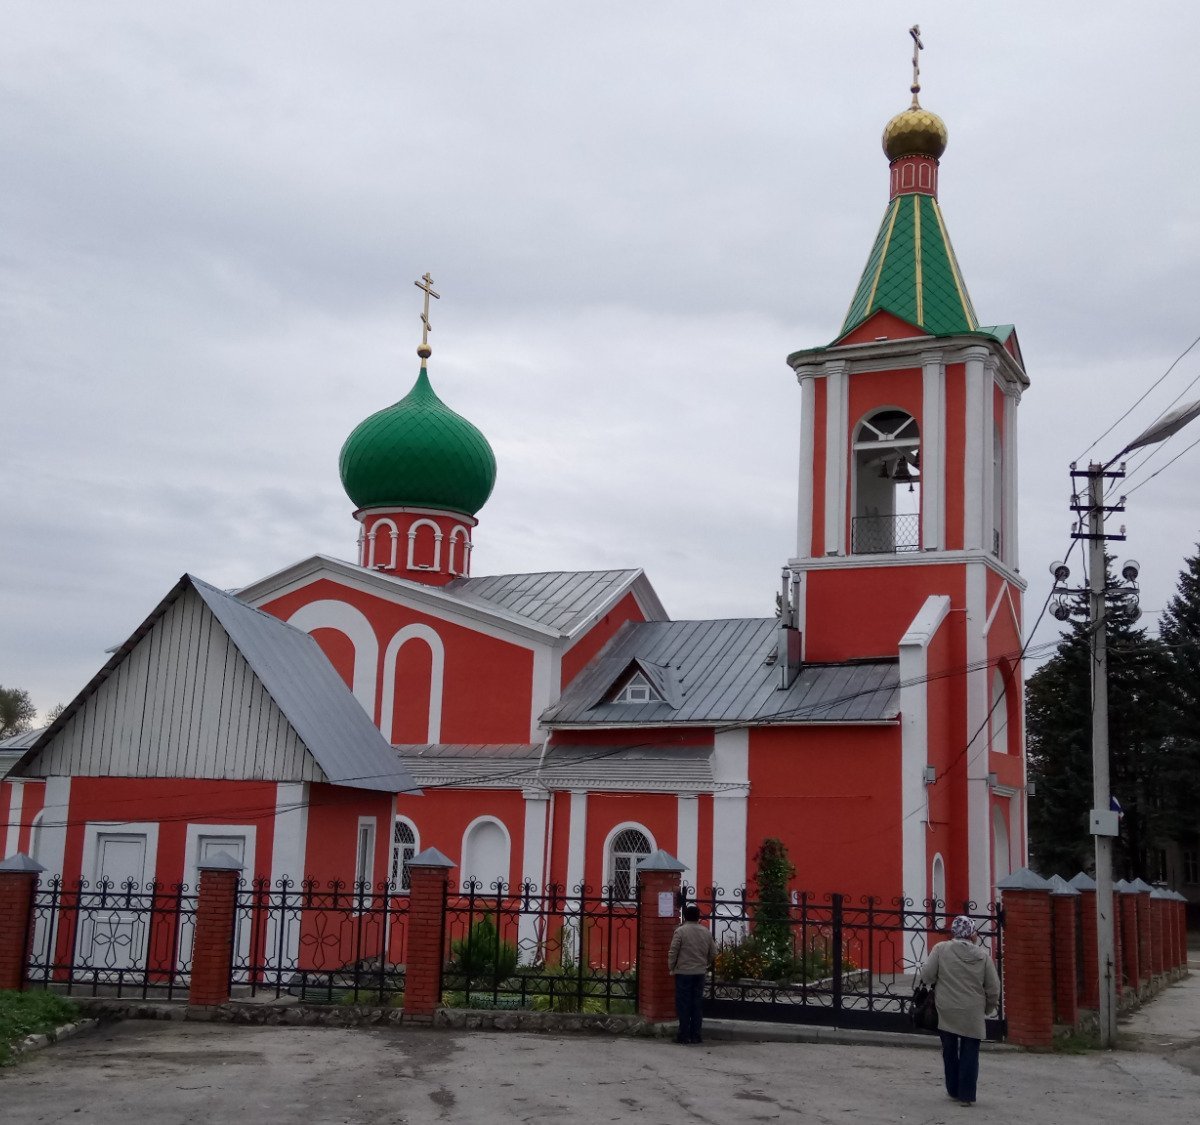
[666,904]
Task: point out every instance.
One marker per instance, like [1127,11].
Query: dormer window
[637,689]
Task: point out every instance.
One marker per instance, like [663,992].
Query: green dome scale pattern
[418,453]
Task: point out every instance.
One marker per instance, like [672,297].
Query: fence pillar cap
[1159,892]
[21,862]
[431,857]
[1124,886]
[1083,882]
[661,861]
[1059,886]
[221,861]
[1023,880]
[1141,886]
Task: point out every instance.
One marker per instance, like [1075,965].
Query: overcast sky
[211,216]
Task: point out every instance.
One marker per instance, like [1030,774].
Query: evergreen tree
[1179,630]
[1059,734]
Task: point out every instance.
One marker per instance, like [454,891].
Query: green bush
[481,957]
[30,1013]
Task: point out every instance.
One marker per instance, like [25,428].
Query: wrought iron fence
[109,940]
[833,960]
[885,535]
[541,949]
[331,942]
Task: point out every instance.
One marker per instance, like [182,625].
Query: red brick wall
[1066,999]
[212,951]
[426,915]
[656,989]
[1028,968]
[16,925]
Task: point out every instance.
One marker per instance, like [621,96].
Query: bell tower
[907,521]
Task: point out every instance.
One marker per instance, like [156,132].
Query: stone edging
[42,1039]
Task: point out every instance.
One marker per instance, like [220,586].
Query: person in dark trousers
[692,953]
[966,987]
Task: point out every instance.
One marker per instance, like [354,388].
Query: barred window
[627,847]
[404,847]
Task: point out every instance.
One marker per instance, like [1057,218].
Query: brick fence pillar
[1181,905]
[1145,954]
[1064,907]
[1028,959]
[659,881]
[18,884]
[429,875]
[1089,996]
[1175,956]
[1126,897]
[1157,960]
[212,947]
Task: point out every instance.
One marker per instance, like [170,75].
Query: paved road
[169,1073]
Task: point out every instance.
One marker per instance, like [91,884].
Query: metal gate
[832,961]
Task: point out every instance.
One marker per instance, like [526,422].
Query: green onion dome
[418,453]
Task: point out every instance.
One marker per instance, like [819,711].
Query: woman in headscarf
[966,988]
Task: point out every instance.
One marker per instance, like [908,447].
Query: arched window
[937,888]
[459,559]
[404,847]
[485,855]
[887,484]
[1001,859]
[35,834]
[382,544]
[626,847]
[424,546]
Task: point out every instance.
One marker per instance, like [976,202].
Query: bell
[902,473]
[883,471]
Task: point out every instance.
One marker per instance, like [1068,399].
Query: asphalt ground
[170,1072]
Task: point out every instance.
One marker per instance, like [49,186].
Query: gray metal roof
[723,677]
[299,678]
[563,600]
[483,766]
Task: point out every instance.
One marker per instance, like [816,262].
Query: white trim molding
[352,623]
[437,672]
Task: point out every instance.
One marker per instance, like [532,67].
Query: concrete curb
[46,1038]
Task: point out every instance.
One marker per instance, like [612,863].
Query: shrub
[482,957]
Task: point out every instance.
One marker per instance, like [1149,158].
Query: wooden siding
[184,703]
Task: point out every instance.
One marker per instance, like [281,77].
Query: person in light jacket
[692,952]
[966,988]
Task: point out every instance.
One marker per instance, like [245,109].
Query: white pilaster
[1011,554]
[16,802]
[933,452]
[804,505]
[731,763]
[979,828]
[837,452]
[52,838]
[533,858]
[289,843]
[687,836]
[976,485]
[914,742]
[576,839]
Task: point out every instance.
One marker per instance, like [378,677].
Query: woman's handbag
[922,1010]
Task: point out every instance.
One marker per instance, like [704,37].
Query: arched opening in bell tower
[887,484]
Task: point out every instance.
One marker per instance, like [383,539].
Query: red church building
[334,718]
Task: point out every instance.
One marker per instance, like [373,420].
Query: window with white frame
[364,863]
[637,689]
[628,847]
[404,847]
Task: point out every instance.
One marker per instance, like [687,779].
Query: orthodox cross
[426,286]
[918,47]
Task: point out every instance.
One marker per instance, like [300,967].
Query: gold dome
[915,132]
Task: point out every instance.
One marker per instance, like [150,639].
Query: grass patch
[28,1013]
[1076,1043]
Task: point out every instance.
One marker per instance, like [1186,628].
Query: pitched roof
[723,676]
[328,721]
[562,600]
[912,272]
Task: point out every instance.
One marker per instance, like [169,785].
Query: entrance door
[114,926]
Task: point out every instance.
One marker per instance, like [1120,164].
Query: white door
[114,932]
[206,846]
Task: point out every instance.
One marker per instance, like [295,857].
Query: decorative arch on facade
[421,545]
[1005,714]
[486,854]
[460,550]
[997,491]
[626,845]
[373,543]
[406,843]
[886,483]
[437,671]
[343,618]
[35,833]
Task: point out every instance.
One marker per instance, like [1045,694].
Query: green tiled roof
[912,272]
[418,453]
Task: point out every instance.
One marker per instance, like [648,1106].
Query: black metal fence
[885,535]
[129,940]
[329,942]
[540,949]
[833,960]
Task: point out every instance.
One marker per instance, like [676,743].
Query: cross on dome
[426,286]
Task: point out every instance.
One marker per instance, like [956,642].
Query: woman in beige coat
[966,988]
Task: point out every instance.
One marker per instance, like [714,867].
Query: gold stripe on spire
[917,259]
[964,300]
